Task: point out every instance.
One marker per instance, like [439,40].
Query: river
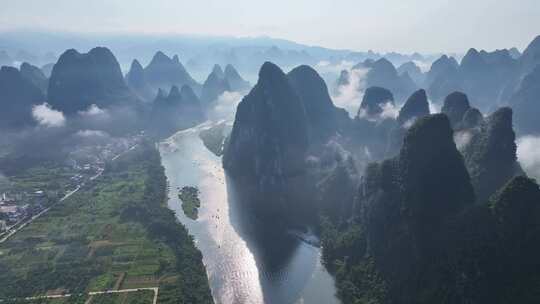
[243,266]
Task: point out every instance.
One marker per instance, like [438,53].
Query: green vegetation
[214,139]
[115,233]
[416,234]
[190,201]
[51,177]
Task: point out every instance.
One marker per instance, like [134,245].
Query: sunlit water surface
[243,266]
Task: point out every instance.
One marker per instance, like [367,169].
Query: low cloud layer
[48,117]
[349,96]
[324,66]
[462,139]
[434,107]
[93,110]
[225,106]
[389,110]
[91,133]
[528,148]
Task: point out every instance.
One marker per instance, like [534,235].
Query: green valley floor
[115,234]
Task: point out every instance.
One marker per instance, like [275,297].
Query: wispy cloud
[48,117]
[93,110]
[528,156]
[350,95]
[225,106]
[462,139]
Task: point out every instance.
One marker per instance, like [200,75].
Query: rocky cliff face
[497,247]
[324,119]
[268,144]
[455,106]
[214,86]
[136,80]
[402,236]
[530,58]
[382,73]
[525,104]
[491,154]
[180,109]
[488,78]
[17,96]
[374,100]
[80,80]
[35,76]
[485,76]
[471,119]
[404,203]
[164,72]
[270,133]
[415,107]
[413,71]
[236,82]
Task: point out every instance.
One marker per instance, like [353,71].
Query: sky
[380,25]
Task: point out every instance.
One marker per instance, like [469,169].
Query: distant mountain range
[200,53]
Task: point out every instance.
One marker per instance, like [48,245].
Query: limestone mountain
[47,69]
[190,98]
[176,111]
[214,85]
[236,82]
[413,71]
[488,78]
[455,106]
[525,103]
[382,73]
[444,85]
[514,53]
[17,96]
[374,100]
[485,75]
[164,72]
[136,80]
[324,119]
[530,58]
[80,80]
[35,76]
[497,246]
[267,149]
[270,132]
[471,119]
[439,68]
[402,207]
[337,191]
[415,107]
[490,155]
[343,79]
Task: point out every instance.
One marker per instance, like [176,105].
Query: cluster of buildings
[12,211]
[88,163]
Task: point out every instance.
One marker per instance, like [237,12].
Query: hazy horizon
[389,25]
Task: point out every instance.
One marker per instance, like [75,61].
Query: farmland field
[115,233]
